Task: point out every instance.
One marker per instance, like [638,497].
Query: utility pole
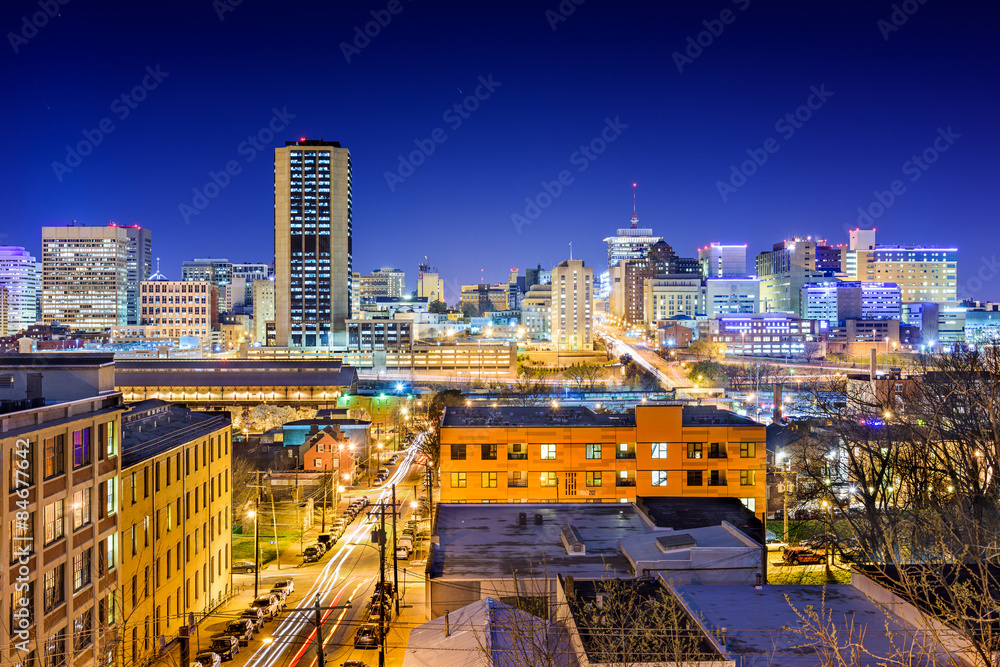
[326,488]
[381,568]
[256,541]
[395,559]
[319,635]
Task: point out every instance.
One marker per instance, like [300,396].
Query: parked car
[208,659]
[798,555]
[774,543]
[282,596]
[268,604]
[324,538]
[850,550]
[243,629]
[311,554]
[285,584]
[255,615]
[368,636]
[384,472]
[375,611]
[821,541]
[244,566]
[225,646]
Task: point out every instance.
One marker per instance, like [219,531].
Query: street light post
[256,545]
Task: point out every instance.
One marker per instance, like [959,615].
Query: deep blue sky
[607,60]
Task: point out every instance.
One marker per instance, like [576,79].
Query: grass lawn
[805,575]
[243,545]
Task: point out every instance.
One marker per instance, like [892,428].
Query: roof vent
[572,541]
[538,519]
[675,542]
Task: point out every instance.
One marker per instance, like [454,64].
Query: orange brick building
[572,454]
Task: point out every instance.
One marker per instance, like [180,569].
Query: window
[52,517]
[111,499]
[81,447]
[458,452]
[489,480]
[22,536]
[659,450]
[716,478]
[748,450]
[55,456]
[694,477]
[694,450]
[458,480]
[489,452]
[549,479]
[517,451]
[83,635]
[594,478]
[54,653]
[145,482]
[81,508]
[135,549]
[594,451]
[53,587]
[748,478]
[22,598]
[751,503]
[548,452]
[112,547]
[659,478]
[717,450]
[81,569]
[132,486]
[318,463]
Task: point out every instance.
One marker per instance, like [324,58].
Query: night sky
[884,86]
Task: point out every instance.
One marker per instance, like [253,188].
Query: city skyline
[872,97]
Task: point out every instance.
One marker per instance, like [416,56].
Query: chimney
[447,624]
[570,587]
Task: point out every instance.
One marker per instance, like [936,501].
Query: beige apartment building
[572,293]
[263,309]
[176,502]
[173,308]
[312,243]
[85,276]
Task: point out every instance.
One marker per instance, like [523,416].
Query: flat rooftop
[234,373]
[532,416]
[484,541]
[55,359]
[153,427]
[763,624]
[688,513]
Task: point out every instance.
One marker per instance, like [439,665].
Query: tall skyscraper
[138,265]
[85,276]
[19,277]
[312,243]
[572,295]
[790,265]
[923,273]
[429,283]
[723,261]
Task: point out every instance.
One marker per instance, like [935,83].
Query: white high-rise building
[85,276]
[572,298]
[723,261]
[138,265]
[19,276]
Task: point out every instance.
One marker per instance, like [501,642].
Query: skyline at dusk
[495,135]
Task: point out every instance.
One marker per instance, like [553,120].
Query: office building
[381,283]
[138,264]
[85,276]
[835,302]
[61,443]
[767,334]
[249,272]
[484,298]
[429,284]
[790,265]
[723,261]
[729,296]
[263,309]
[572,296]
[628,282]
[982,326]
[313,212]
[176,508]
[632,242]
[379,335]
[536,312]
[923,273]
[565,454]
[171,309]
[670,295]
[19,276]
[217,271]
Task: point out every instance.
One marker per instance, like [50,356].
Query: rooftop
[153,427]
[234,373]
[484,541]
[56,359]
[692,415]
[684,513]
[763,623]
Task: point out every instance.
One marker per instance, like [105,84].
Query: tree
[707,349]
[468,310]
[707,373]
[437,306]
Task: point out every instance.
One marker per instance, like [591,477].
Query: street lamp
[256,546]
[784,471]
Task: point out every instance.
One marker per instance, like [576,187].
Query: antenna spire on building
[571,250]
[635,216]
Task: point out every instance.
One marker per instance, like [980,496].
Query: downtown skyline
[819,112]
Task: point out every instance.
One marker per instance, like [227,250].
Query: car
[354,663]
[378,481]
[774,543]
[821,541]
[225,646]
[208,659]
[311,554]
[244,566]
[375,611]
[322,547]
[254,615]
[284,584]
[800,555]
[324,538]
[384,472]
[243,629]
[282,596]
[368,636]
[268,604]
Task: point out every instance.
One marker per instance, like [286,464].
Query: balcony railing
[717,455]
[717,482]
[517,482]
[624,482]
[515,456]
[624,455]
